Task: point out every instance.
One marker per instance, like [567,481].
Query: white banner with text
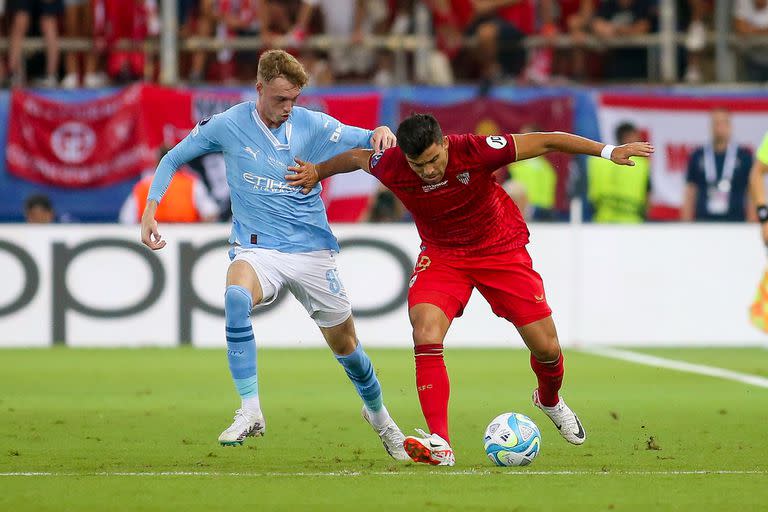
[97,286]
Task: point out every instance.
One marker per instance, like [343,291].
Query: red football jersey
[467,213]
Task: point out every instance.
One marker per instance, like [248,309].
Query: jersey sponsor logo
[430,188]
[375,158]
[496,141]
[251,152]
[268,184]
[463,178]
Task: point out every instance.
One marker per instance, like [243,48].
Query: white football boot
[246,424]
[391,437]
[429,449]
[564,419]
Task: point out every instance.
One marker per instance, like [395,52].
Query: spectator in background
[186,200]
[620,18]
[212,170]
[619,193]
[691,14]
[351,21]
[79,22]
[226,19]
[385,207]
[572,17]
[498,25]
[718,177]
[133,20]
[539,181]
[195,20]
[21,13]
[450,18]
[39,210]
[751,18]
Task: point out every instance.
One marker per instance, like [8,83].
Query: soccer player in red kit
[473,236]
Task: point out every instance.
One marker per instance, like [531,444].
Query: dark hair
[623,130]
[40,200]
[418,132]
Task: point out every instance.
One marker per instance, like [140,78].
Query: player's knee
[548,349]
[237,302]
[426,334]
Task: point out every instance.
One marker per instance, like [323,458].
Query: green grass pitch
[104,425]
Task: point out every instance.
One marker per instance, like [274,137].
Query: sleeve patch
[496,141]
[196,129]
[375,159]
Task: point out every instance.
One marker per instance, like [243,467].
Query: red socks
[433,387]
[550,377]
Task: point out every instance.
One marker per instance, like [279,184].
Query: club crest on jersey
[463,177]
[496,141]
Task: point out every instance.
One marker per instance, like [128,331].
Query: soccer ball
[512,439]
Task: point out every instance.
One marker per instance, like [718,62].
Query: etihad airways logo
[430,188]
[268,184]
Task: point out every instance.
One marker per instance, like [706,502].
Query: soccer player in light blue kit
[280,237]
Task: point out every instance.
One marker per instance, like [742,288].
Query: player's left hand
[383,138]
[303,174]
[621,154]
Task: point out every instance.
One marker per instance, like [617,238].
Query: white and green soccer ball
[512,439]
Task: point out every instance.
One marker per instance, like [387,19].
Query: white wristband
[607,150]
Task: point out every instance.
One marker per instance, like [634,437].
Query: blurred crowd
[716,187]
[474,40]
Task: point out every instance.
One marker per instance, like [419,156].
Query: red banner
[115,138]
[77,144]
[486,116]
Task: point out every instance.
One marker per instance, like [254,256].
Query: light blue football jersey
[266,211]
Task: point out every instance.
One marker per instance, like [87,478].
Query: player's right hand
[303,174]
[149,234]
[621,154]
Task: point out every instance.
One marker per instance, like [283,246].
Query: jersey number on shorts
[333,281]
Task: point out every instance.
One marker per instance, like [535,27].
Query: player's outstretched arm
[150,236]
[530,145]
[306,174]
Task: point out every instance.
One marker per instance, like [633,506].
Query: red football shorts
[507,281]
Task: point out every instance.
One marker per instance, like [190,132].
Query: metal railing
[663,63]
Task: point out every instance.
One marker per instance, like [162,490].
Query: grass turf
[85,415]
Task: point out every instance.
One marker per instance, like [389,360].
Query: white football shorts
[312,277]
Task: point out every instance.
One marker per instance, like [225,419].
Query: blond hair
[278,63]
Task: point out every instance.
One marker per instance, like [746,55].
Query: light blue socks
[241,345]
[360,371]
